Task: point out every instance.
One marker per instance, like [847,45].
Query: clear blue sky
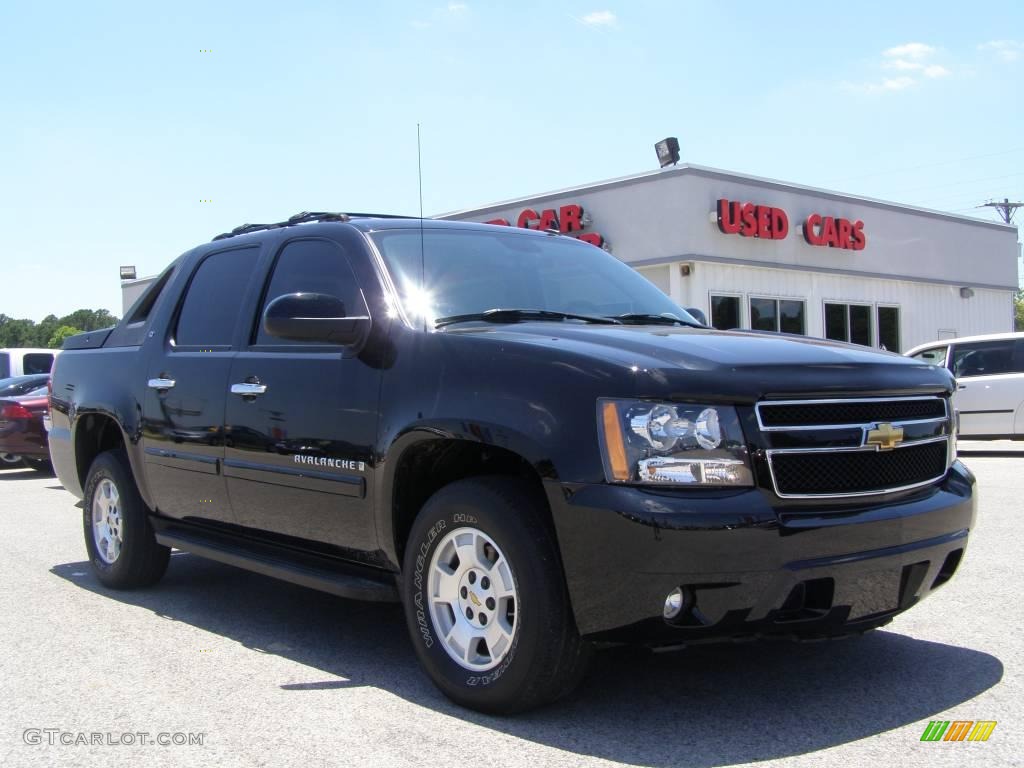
[114,124]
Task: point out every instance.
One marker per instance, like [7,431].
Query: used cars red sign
[771,223]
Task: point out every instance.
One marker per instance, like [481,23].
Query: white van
[22,361]
[989,373]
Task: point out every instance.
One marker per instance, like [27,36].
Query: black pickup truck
[515,435]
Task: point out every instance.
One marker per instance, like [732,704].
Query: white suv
[25,361]
[989,374]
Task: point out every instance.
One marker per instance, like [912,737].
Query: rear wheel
[485,598]
[8,460]
[39,465]
[118,536]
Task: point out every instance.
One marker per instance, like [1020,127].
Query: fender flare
[491,434]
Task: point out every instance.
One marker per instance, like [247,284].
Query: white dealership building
[756,253]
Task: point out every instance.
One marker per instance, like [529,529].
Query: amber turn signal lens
[613,442]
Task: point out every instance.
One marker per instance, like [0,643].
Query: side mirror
[698,315]
[313,317]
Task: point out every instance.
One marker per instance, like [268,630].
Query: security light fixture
[128,273]
[966,293]
[668,151]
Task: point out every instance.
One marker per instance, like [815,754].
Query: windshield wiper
[640,318]
[519,315]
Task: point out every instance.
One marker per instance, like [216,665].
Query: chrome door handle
[161,385]
[247,389]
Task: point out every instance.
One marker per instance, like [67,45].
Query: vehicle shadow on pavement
[16,473]
[706,706]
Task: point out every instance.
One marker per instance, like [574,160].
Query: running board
[314,572]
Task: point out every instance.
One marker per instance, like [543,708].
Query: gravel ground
[272,674]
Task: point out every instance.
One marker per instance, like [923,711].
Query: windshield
[472,271]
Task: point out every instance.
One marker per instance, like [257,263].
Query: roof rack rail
[304,217]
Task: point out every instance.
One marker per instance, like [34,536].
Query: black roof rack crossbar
[304,217]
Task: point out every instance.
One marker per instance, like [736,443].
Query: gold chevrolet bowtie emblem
[475,599]
[884,437]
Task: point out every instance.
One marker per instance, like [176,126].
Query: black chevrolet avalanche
[513,434]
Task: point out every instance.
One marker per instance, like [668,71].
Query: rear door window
[37,362]
[1018,356]
[210,311]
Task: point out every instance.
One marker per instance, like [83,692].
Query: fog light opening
[677,602]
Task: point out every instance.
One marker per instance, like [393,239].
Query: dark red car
[22,432]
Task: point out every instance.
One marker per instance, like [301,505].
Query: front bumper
[750,568]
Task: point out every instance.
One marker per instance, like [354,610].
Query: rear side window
[983,358]
[139,312]
[311,266]
[933,356]
[37,362]
[210,310]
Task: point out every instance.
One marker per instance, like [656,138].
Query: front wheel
[118,536]
[486,601]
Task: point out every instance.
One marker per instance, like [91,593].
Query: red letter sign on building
[749,220]
[766,222]
[567,220]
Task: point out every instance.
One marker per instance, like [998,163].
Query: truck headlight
[672,444]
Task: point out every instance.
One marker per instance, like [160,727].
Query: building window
[786,315]
[849,322]
[725,312]
[889,328]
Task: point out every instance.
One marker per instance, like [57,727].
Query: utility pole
[1005,208]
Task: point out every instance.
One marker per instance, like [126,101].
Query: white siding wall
[659,276]
[926,310]
[131,290]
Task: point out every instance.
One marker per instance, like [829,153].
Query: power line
[928,165]
[954,198]
[958,183]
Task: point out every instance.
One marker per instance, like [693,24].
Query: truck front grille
[842,472]
[826,448]
[855,412]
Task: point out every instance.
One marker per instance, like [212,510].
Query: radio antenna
[423,257]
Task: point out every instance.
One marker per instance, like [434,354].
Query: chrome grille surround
[860,446]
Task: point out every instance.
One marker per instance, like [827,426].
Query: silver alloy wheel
[107,523]
[473,601]
[10,458]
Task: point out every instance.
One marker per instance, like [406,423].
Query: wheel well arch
[429,465]
[95,433]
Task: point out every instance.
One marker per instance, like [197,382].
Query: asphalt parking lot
[273,674]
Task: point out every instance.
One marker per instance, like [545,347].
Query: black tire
[43,466]
[141,562]
[547,658]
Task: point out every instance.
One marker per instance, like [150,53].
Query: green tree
[89,319]
[27,333]
[1019,311]
[17,333]
[44,331]
[57,339]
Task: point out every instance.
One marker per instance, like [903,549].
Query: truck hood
[730,364]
